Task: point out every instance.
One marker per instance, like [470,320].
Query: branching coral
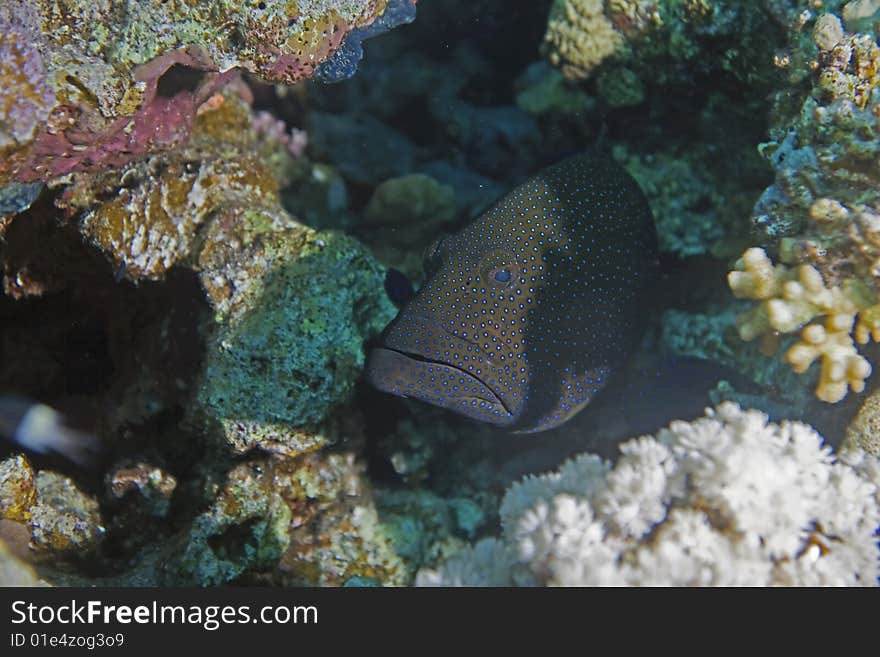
[822,214]
[791,299]
[728,499]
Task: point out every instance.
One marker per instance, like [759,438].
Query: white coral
[729,499]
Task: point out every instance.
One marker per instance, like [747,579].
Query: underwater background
[209,213]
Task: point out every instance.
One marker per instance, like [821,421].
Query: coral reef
[98,84]
[365,150]
[296,346]
[175,279]
[245,528]
[343,63]
[727,499]
[60,517]
[822,155]
[689,209]
[820,216]
[417,198]
[289,304]
[663,40]
[399,203]
[345,538]
[712,335]
[149,482]
[18,492]
[15,197]
[64,519]
[543,89]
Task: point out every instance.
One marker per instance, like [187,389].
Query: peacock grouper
[527,311]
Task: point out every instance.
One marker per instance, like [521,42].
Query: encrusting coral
[305,521]
[61,518]
[729,499]
[863,432]
[96,84]
[580,36]
[245,462]
[288,304]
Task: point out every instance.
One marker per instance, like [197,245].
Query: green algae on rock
[64,519]
[292,351]
[290,306]
[304,521]
[245,528]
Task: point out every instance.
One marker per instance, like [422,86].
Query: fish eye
[499,268]
[501,275]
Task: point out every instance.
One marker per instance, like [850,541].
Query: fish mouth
[411,375]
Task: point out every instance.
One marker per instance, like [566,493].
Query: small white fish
[42,429]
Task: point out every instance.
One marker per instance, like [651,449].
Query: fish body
[43,430]
[527,311]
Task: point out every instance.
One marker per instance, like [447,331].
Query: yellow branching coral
[792,299]
[842,366]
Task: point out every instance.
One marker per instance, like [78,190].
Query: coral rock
[100,83]
[863,433]
[580,36]
[18,492]
[64,519]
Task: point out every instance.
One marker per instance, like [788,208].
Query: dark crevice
[177,79]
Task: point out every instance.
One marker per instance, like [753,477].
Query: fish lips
[436,382]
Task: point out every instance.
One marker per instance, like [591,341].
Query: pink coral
[74,97]
[268,125]
[159,123]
